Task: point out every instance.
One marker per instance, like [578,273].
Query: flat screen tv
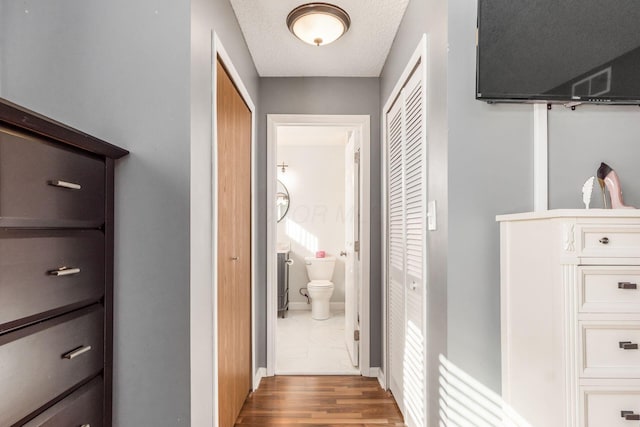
[566,51]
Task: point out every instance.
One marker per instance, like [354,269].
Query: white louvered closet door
[396,256]
[407,249]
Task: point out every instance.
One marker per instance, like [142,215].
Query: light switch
[431,215]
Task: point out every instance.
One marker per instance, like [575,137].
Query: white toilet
[320,287]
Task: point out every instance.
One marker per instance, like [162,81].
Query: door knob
[343,253]
[289,261]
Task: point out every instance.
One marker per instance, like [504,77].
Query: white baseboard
[372,372]
[260,373]
[297,306]
[300,306]
[381,379]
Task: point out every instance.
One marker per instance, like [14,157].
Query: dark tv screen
[559,51]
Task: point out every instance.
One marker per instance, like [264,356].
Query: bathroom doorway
[318,245]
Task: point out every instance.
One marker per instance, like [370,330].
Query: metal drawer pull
[629,415]
[627,285]
[65,184]
[85,425]
[628,345]
[77,352]
[604,240]
[64,271]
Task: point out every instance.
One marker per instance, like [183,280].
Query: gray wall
[490,172]
[120,71]
[326,95]
[429,17]
[481,165]
[579,140]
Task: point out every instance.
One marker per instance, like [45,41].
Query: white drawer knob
[77,352]
[64,184]
[64,271]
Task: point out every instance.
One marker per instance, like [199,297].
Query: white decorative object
[569,237]
[587,189]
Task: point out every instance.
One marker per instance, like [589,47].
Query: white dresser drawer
[610,241]
[610,349]
[602,407]
[609,289]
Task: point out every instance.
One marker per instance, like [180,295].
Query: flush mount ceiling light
[318,23]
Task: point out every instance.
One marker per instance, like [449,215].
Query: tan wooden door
[234,249]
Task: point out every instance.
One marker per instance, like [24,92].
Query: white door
[415,248]
[396,255]
[406,210]
[352,261]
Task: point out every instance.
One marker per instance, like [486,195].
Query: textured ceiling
[361,52]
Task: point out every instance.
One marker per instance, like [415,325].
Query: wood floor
[327,401]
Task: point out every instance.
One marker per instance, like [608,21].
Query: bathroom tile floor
[307,346]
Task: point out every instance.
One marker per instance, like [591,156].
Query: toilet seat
[319,284]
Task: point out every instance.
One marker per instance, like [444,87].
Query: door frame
[418,56]
[220,52]
[362,124]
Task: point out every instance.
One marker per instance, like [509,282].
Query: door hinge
[356,335]
[356,246]
[356,157]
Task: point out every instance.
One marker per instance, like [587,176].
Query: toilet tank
[320,268]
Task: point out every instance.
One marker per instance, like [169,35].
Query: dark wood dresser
[56,273]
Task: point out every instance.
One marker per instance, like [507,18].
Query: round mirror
[282,201]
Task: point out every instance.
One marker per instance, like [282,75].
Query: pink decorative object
[608,178]
[320,254]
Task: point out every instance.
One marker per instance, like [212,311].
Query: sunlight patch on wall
[301,236]
[465,402]
[414,374]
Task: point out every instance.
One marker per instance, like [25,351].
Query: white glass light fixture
[318,23]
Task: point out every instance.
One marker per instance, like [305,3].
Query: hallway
[319,401]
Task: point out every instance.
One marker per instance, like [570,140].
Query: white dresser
[570,316]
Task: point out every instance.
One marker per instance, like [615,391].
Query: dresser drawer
[610,241]
[606,289]
[610,349]
[604,407]
[42,361]
[44,271]
[84,407]
[44,185]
